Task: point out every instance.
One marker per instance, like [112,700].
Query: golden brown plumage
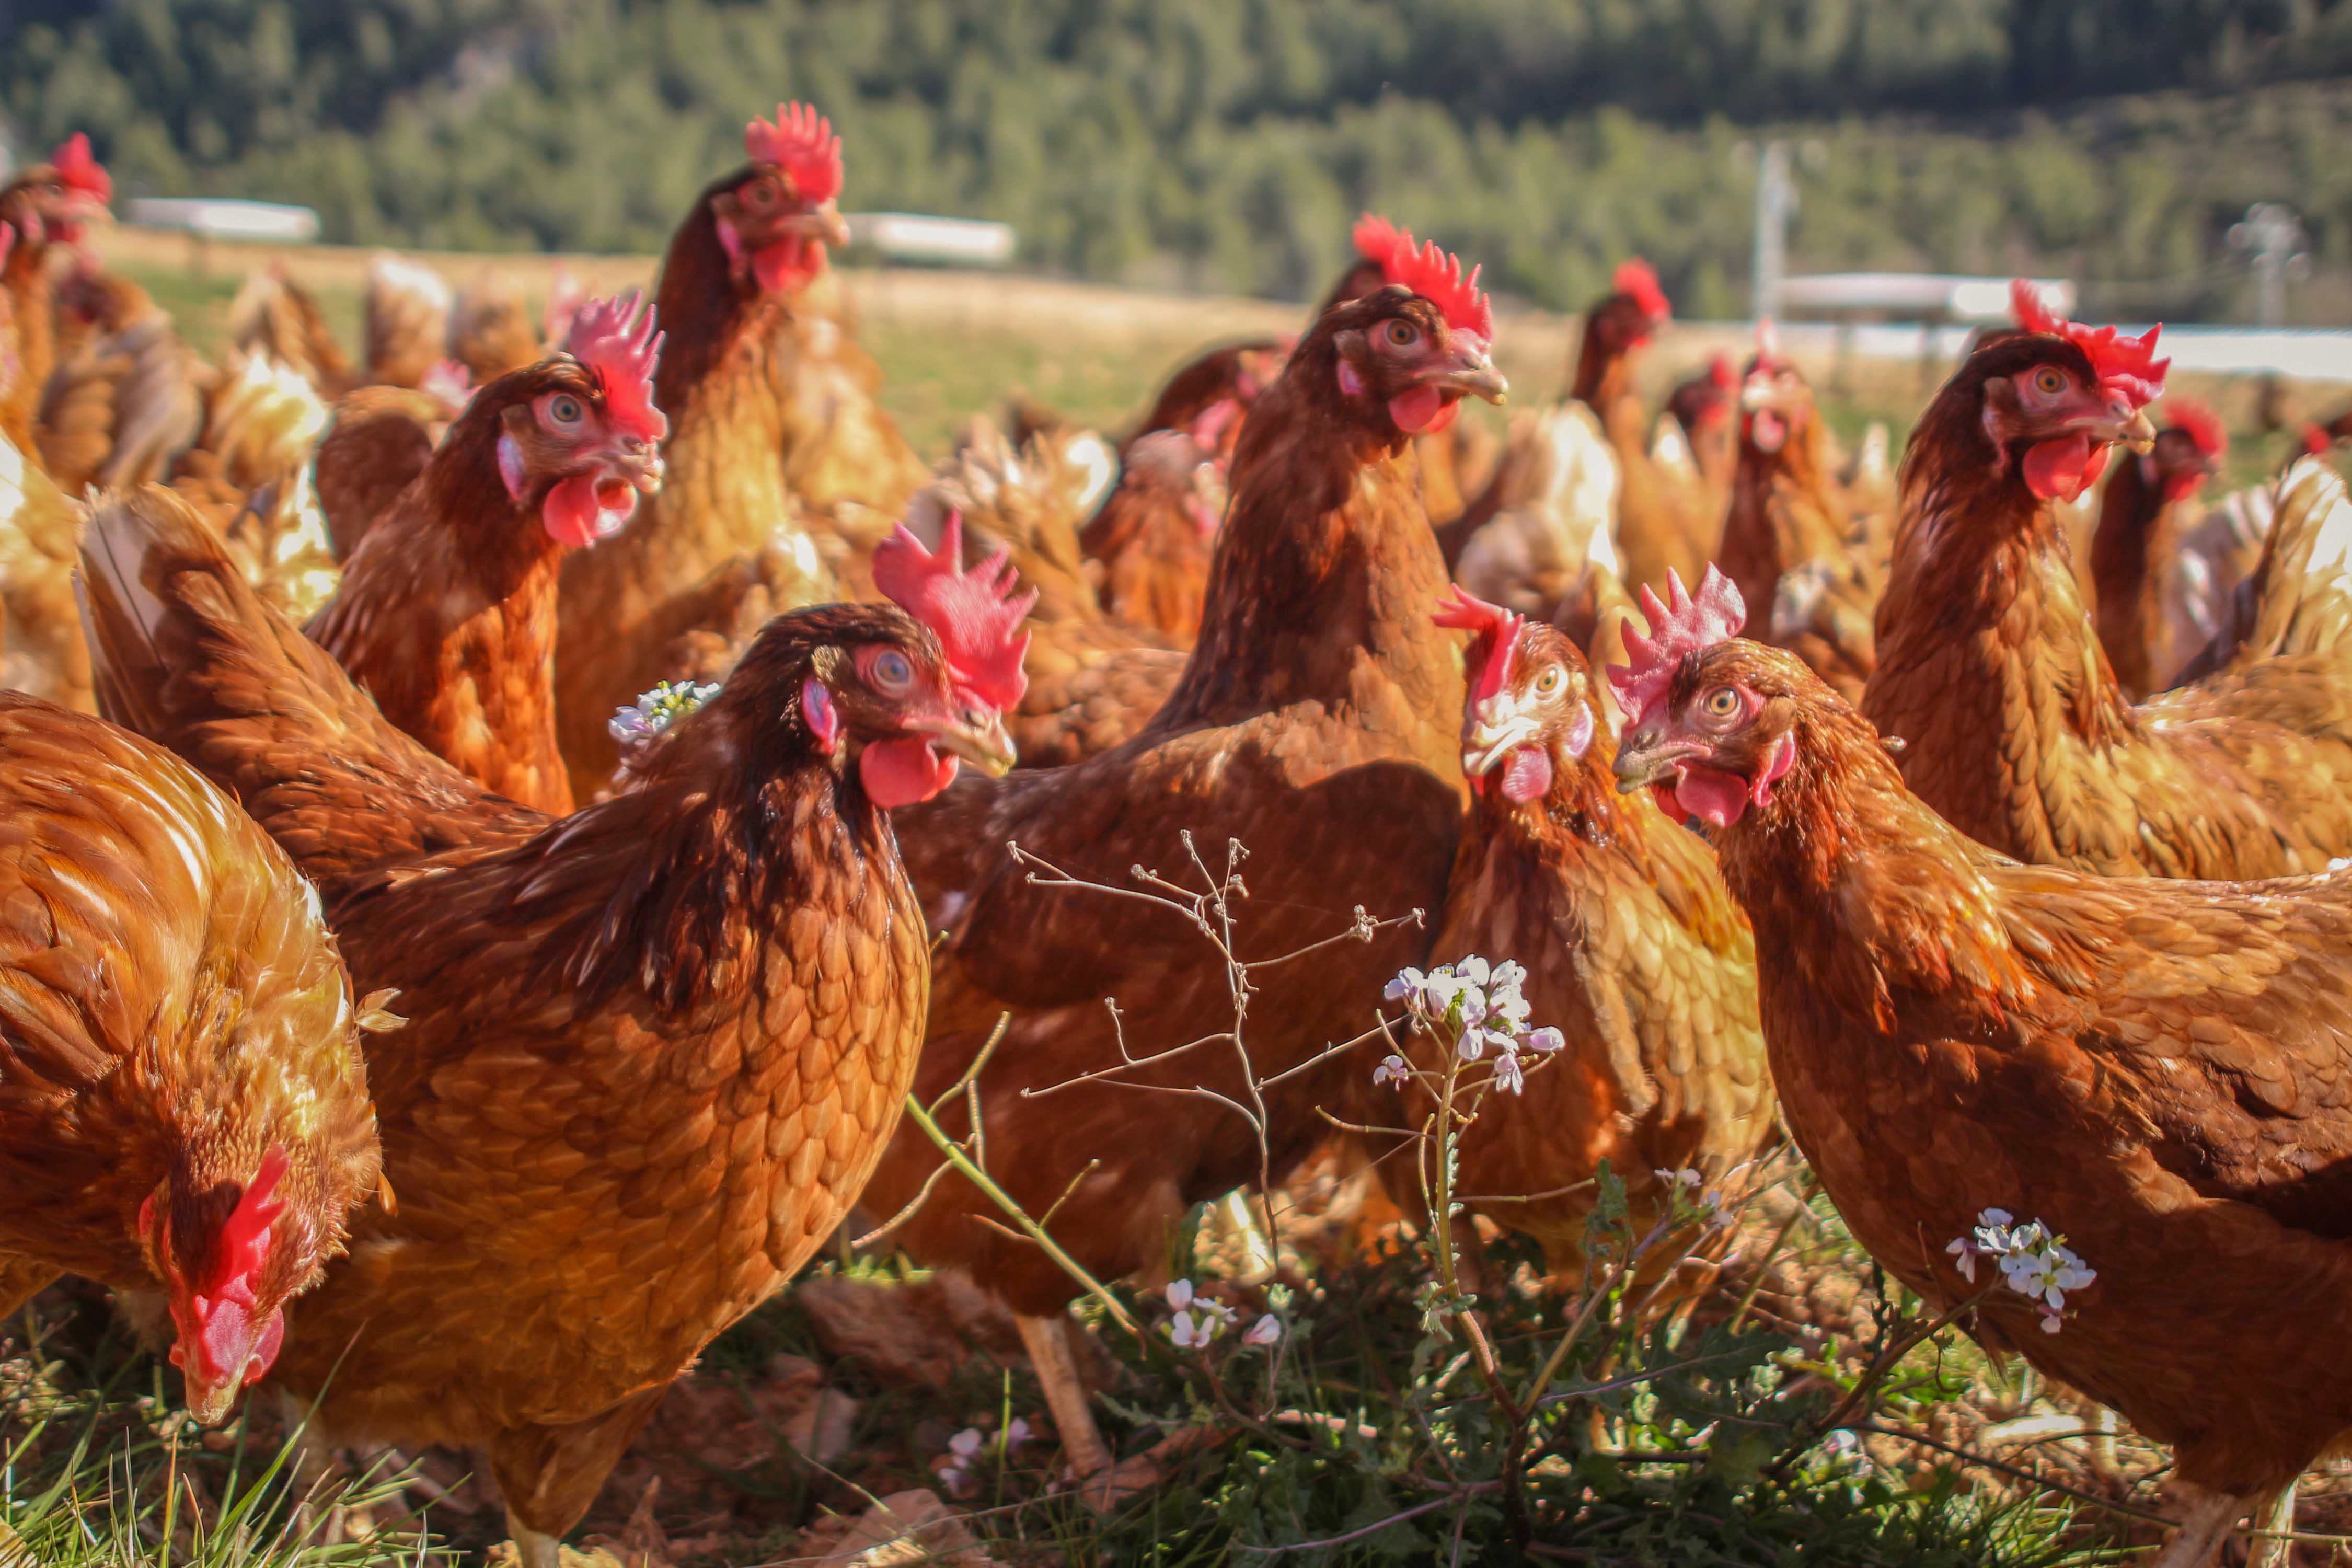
[174,1017]
[40,531]
[404,315]
[491,333]
[128,399]
[775,439]
[1664,518]
[380,441]
[276,317]
[1632,947]
[445,614]
[1990,670]
[652,1047]
[1155,534]
[43,205]
[1315,721]
[2160,1071]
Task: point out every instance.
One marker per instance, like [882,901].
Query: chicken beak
[979,738]
[1648,757]
[826,224]
[2138,432]
[1485,744]
[1474,374]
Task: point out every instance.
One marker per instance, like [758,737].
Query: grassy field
[1700,1436]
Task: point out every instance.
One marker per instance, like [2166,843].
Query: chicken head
[1710,721]
[2058,396]
[228,1264]
[776,218]
[1419,343]
[1775,400]
[58,199]
[579,437]
[1530,712]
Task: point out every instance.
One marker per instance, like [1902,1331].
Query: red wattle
[1527,774]
[787,264]
[576,513]
[1715,797]
[904,771]
[2062,469]
[1417,410]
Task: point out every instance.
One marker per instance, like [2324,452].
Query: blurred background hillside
[1223,144]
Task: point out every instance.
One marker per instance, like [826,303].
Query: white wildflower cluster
[1687,1188]
[1199,1320]
[966,1448]
[657,710]
[2034,1262]
[1478,1004]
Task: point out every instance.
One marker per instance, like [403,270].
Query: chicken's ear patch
[824,719]
[1497,644]
[1683,625]
[977,615]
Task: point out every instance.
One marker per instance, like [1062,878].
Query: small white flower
[1180,1293]
[1839,1443]
[1472,969]
[1393,1069]
[1470,1007]
[1406,988]
[1215,1316]
[1507,975]
[1964,1258]
[1016,1434]
[1507,1076]
[966,1444]
[1545,1041]
[1471,1045]
[2051,1320]
[1264,1332]
[1182,1332]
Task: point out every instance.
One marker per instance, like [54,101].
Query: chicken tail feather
[2298,598]
[188,654]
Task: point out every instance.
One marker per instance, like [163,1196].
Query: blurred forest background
[1226,143]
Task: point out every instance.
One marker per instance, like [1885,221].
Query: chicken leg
[2274,1548]
[2209,1523]
[548,1475]
[1049,1345]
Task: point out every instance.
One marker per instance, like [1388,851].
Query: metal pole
[2272,237]
[1776,199]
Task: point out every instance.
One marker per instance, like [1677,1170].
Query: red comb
[1639,281]
[1497,646]
[243,1241]
[975,614]
[1437,277]
[2127,367]
[1719,371]
[1376,238]
[2317,441]
[801,144]
[1683,625]
[620,347]
[2203,426]
[77,168]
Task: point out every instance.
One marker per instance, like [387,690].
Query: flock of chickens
[457,1041]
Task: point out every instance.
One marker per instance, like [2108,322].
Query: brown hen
[776,439]
[446,611]
[1316,723]
[653,1048]
[2156,1072]
[183,1106]
[43,205]
[1990,671]
[2151,503]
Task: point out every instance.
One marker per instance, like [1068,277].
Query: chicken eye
[891,670]
[760,193]
[1402,334]
[2050,381]
[1549,681]
[565,409]
[1721,703]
